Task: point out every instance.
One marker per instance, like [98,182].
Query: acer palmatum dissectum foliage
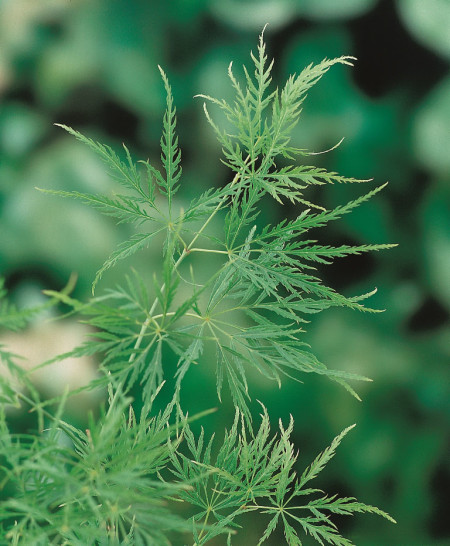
[116,482]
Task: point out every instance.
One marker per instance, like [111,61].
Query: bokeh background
[92,64]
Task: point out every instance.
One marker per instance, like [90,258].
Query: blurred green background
[92,64]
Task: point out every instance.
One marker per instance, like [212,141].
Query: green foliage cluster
[119,481]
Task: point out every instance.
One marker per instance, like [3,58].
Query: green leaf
[125,208]
[170,153]
[321,460]
[124,250]
[125,173]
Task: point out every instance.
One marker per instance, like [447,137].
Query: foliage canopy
[118,482]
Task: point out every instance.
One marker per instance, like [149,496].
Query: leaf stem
[213,251]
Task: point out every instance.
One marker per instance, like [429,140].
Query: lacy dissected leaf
[72,486]
[126,173]
[252,307]
[123,207]
[170,152]
[249,303]
[16,319]
[125,250]
[255,472]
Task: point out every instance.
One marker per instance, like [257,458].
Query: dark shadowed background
[92,64]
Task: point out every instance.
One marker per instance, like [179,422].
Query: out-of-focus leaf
[131,45]
[335,9]
[388,362]
[20,129]
[63,67]
[37,228]
[254,14]
[436,242]
[184,11]
[431,131]
[429,22]
[133,80]
[20,20]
